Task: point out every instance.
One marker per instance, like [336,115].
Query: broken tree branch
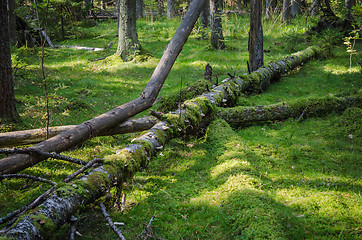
[12,139]
[89,129]
[39,179]
[32,151]
[110,222]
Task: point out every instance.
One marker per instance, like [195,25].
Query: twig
[110,222]
[123,203]
[148,231]
[45,154]
[39,179]
[85,167]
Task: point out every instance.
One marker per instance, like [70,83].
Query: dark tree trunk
[217,38]
[296,8]
[286,10]
[8,111]
[256,56]
[315,7]
[171,11]
[349,4]
[268,9]
[128,44]
[12,22]
[139,8]
[205,20]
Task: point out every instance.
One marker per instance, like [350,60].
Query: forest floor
[271,180]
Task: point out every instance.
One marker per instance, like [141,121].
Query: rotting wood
[121,166]
[12,139]
[91,128]
[313,106]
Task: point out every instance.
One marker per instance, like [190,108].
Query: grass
[277,180]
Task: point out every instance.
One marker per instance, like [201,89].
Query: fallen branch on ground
[12,139]
[110,222]
[39,179]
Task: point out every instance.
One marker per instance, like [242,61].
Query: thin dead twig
[110,222]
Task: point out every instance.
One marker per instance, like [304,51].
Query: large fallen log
[91,128]
[300,108]
[12,139]
[122,165]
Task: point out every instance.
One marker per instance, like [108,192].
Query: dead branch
[32,151]
[12,139]
[110,222]
[39,179]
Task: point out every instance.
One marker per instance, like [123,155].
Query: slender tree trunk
[268,9]
[171,11]
[286,10]
[217,38]
[315,7]
[256,56]
[349,4]
[205,20]
[8,111]
[128,44]
[139,8]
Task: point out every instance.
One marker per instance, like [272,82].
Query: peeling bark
[300,108]
[122,165]
[90,128]
[12,139]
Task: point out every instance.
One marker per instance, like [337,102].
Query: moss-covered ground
[274,180]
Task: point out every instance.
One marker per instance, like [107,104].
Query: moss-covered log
[122,165]
[299,108]
[12,139]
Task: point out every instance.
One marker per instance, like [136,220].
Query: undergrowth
[276,180]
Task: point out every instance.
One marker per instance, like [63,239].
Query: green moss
[44,224]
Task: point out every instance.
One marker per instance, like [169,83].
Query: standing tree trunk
[349,4]
[255,44]
[286,10]
[268,9]
[161,8]
[128,44]
[8,111]
[139,8]
[205,22]
[12,22]
[315,7]
[171,11]
[296,8]
[217,38]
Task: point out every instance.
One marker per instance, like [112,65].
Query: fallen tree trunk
[120,167]
[13,139]
[91,128]
[300,108]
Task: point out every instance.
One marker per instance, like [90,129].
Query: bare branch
[39,179]
[110,222]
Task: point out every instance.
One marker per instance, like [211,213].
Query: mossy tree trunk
[8,112]
[171,10]
[121,166]
[128,44]
[204,18]
[89,129]
[217,37]
[300,108]
[255,44]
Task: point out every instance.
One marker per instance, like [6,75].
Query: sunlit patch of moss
[43,223]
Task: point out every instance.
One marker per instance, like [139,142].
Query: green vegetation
[276,180]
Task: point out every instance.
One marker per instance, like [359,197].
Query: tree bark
[315,7]
[296,8]
[13,139]
[205,20]
[118,115]
[286,10]
[140,8]
[349,4]
[8,112]
[12,22]
[255,45]
[217,38]
[268,9]
[121,166]
[128,44]
[171,11]
[301,108]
